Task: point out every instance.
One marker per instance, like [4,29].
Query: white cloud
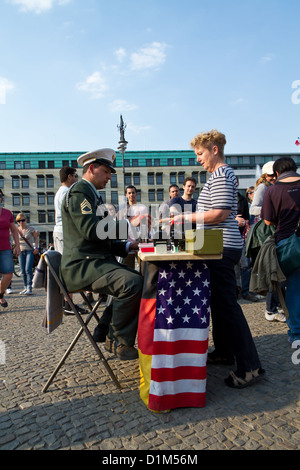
[120,54]
[267,58]
[137,129]
[118,106]
[150,56]
[94,84]
[38,6]
[5,87]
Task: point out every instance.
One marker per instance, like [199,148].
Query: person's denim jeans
[26,260]
[292,301]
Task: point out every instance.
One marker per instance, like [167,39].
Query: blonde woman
[217,208]
[29,245]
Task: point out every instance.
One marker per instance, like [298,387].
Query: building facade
[29,181]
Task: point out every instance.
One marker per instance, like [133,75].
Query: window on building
[151,195]
[127,179]
[25,181]
[1,182]
[135,162]
[148,162]
[170,162]
[191,161]
[173,178]
[136,179]
[160,195]
[138,195]
[150,177]
[181,176]
[50,181]
[50,199]
[74,164]
[203,177]
[114,197]
[195,175]
[16,199]
[42,164]
[40,181]
[27,165]
[126,162]
[17,165]
[15,182]
[114,181]
[27,214]
[159,178]
[51,217]
[51,164]
[103,196]
[156,162]
[2,165]
[42,217]
[25,199]
[65,163]
[178,162]
[41,199]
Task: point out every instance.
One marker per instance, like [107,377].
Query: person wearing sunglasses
[7,227]
[29,245]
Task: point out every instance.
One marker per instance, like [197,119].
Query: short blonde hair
[209,139]
[21,215]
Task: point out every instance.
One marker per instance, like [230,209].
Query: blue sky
[172,68]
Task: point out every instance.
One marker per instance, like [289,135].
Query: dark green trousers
[125,286]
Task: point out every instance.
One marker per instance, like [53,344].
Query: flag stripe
[169,402]
[179,373]
[178,360]
[146,325]
[178,386]
[188,334]
[195,347]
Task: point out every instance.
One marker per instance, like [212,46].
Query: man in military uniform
[89,259]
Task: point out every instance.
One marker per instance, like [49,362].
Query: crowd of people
[91,263]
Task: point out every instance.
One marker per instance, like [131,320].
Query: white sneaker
[23,291]
[276,316]
[9,291]
[28,292]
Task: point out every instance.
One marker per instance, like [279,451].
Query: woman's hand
[17,251]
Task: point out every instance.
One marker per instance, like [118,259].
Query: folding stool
[83,324]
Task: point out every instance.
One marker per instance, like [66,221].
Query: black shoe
[100,333]
[69,311]
[250,297]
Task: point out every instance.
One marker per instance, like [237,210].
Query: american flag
[180,341]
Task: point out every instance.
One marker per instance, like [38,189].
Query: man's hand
[134,246]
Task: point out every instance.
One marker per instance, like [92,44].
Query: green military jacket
[86,257]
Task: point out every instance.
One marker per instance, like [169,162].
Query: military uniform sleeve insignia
[86,207]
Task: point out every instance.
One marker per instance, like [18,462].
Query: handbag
[36,258]
[288,254]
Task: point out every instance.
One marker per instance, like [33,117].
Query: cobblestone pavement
[83,410]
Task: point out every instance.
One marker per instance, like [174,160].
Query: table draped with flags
[173,334]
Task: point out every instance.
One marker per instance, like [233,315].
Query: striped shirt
[220,192]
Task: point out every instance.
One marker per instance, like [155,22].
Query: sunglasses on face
[21,220]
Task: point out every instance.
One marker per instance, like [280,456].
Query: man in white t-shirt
[68,177]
